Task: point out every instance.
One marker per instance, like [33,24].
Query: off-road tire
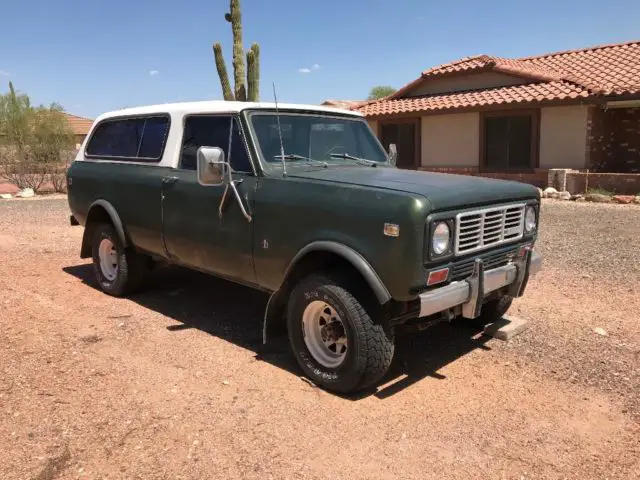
[132,267]
[370,350]
[494,310]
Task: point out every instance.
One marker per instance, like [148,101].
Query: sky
[97,56]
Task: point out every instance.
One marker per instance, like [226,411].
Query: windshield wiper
[295,156]
[361,161]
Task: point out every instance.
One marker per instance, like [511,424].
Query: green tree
[35,141]
[249,91]
[380,91]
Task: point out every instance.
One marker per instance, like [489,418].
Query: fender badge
[391,230]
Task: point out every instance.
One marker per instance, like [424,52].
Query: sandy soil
[175,383]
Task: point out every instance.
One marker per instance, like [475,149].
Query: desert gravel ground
[175,383]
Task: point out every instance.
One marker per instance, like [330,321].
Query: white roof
[220,106]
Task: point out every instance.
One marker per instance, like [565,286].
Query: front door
[404,135]
[195,234]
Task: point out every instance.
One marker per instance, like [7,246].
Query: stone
[637,200]
[597,197]
[577,196]
[581,199]
[624,199]
[6,196]
[564,196]
[548,192]
[540,193]
[506,328]
[26,193]
[600,331]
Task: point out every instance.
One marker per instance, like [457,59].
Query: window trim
[141,160]
[232,116]
[534,157]
[274,167]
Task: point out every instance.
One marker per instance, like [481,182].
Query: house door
[405,136]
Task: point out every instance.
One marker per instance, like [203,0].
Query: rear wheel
[118,270]
[333,337]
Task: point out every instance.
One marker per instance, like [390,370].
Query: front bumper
[470,292]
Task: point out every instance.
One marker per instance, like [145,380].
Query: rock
[540,193]
[6,196]
[581,199]
[597,197]
[564,196]
[637,200]
[26,193]
[600,331]
[577,197]
[625,199]
[225,382]
[506,328]
[548,192]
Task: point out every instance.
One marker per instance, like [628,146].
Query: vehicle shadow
[234,313]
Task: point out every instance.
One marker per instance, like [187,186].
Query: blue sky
[97,56]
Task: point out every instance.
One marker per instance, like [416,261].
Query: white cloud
[4,73]
[153,73]
[315,66]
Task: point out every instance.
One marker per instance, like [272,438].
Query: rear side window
[136,139]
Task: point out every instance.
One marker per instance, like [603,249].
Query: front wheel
[334,339]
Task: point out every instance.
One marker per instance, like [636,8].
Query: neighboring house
[348,104]
[577,109]
[80,127]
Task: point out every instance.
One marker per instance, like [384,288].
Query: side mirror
[211,167]
[393,153]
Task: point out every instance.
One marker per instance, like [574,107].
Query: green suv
[304,203]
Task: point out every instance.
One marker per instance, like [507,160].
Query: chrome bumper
[470,292]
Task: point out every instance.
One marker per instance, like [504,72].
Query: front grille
[464,268]
[480,229]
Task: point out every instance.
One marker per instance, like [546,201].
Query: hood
[444,191]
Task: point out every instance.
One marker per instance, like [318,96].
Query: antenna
[284,163]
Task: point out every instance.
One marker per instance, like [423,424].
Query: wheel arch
[317,256]
[101,211]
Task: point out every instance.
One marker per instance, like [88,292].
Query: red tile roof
[597,71]
[79,125]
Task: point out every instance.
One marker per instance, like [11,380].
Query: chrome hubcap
[324,334]
[108,259]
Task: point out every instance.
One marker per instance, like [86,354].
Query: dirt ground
[175,382]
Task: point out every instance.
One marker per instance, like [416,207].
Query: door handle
[169,180]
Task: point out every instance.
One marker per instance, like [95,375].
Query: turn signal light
[437,276]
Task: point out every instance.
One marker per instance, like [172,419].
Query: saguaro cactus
[253,61]
[253,73]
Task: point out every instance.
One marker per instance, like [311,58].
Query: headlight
[530,219]
[441,238]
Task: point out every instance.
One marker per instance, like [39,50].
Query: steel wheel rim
[324,334]
[108,259]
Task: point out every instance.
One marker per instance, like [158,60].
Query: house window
[509,141]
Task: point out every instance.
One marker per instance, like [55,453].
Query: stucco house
[80,127]
[509,118]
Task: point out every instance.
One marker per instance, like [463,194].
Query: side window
[136,139]
[213,131]
[153,137]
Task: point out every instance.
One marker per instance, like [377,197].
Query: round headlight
[530,219]
[441,238]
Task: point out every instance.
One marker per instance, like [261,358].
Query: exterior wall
[373,124]
[537,178]
[474,81]
[450,140]
[614,140]
[563,137]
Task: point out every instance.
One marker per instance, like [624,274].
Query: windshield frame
[276,167]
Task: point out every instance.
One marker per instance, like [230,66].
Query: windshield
[316,138]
